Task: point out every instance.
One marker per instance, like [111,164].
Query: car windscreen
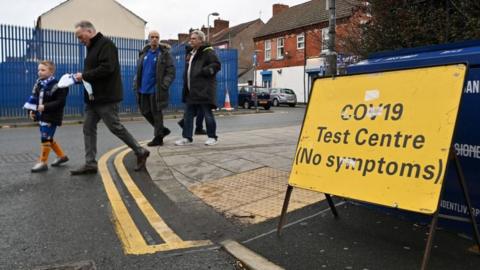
[263,90]
[288,91]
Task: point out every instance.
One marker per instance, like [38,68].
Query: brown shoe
[142,160]
[85,169]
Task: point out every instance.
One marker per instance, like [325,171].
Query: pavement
[244,178]
[124,117]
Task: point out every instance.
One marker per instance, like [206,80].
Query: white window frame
[280,48]
[301,44]
[324,39]
[268,50]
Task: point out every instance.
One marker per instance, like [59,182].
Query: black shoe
[157,141]
[166,132]
[142,160]
[200,132]
[59,161]
[181,123]
[85,169]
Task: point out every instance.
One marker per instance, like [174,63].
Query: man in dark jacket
[155,73]
[102,71]
[200,87]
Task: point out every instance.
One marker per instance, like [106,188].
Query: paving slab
[244,177]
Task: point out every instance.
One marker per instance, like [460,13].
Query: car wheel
[266,107]
[276,103]
[246,105]
[292,105]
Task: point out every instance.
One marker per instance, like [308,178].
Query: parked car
[246,97]
[283,96]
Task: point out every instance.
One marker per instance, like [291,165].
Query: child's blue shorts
[47,131]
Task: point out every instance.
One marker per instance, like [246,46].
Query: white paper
[372,94]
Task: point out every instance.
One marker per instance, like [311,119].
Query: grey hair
[85,25]
[199,33]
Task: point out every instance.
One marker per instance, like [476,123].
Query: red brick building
[289,46]
[239,37]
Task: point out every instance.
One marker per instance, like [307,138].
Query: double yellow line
[128,232]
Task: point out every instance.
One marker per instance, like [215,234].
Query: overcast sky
[168,16]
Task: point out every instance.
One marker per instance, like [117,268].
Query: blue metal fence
[21,48]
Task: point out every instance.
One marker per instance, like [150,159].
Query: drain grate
[83,265]
[17,158]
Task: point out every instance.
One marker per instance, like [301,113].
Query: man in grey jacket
[155,74]
[200,87]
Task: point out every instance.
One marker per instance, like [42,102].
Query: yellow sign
[382,138]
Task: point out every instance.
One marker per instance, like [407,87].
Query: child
[50,101]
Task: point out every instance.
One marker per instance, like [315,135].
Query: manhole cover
[83,265]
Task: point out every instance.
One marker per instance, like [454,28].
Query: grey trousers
[154,116]
[109,114]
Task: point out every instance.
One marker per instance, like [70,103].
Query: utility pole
[331,55]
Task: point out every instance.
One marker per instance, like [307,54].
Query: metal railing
[22,47]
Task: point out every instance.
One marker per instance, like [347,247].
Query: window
[268,50]
[325,39]
[301,41]
[280,48]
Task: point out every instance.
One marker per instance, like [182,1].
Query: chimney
[279,8]
[219,25]
[183,37]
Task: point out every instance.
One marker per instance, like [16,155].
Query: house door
[267,81]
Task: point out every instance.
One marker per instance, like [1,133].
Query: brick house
[289,46]
[109,16]
[239,37]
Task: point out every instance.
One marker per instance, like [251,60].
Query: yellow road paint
[124,224]
[129,234]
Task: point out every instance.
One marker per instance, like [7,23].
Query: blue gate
[21,48]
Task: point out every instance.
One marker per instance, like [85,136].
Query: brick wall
[296,57]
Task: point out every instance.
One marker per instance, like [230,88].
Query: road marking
[291,223]
[128,232]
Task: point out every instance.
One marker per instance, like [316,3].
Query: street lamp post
[331,55]
[255,64]
[208,23]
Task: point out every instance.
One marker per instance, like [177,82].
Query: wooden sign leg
[461,179]
[284,210]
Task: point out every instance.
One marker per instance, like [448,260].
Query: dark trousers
[109,114]
[191,111]
[199,116]
[199,120]
[148,108]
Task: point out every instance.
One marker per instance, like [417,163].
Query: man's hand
[78,76]
[32,115]
[41,108]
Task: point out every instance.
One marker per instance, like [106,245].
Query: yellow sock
[57,149]
[45,150]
